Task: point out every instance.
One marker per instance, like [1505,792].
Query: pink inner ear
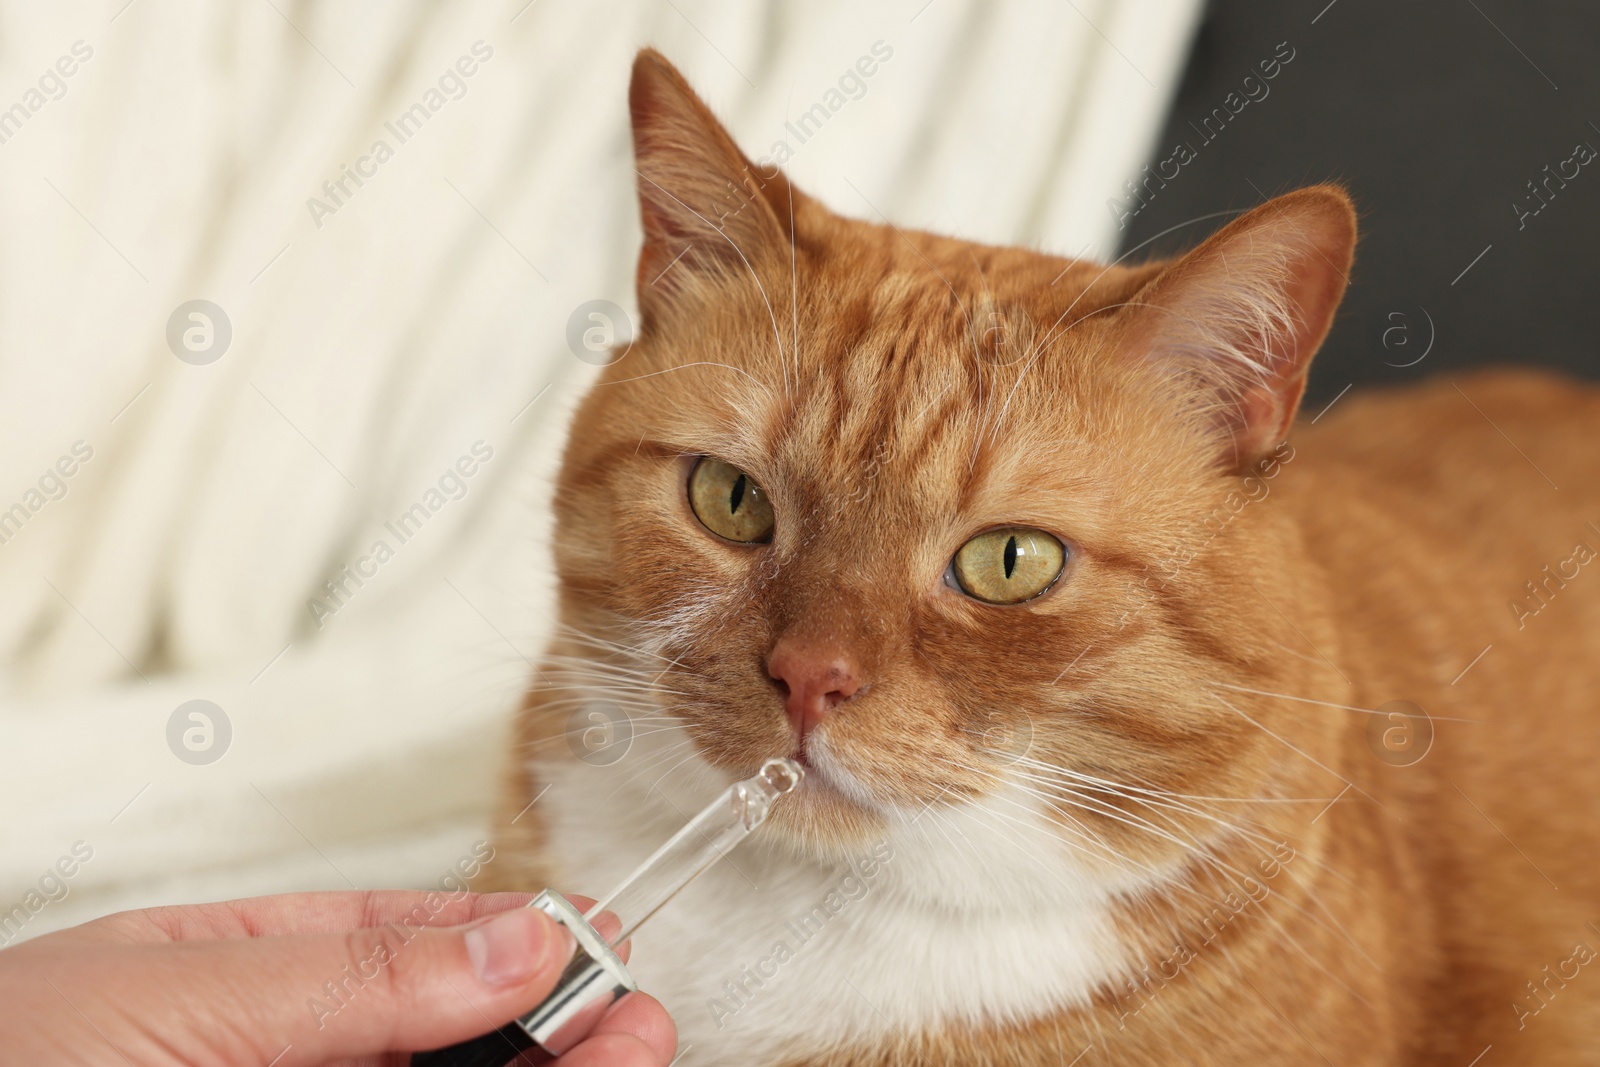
[1265,414]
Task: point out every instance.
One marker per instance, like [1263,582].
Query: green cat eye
[1009,565]
[728,502]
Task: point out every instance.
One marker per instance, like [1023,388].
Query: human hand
[300,979]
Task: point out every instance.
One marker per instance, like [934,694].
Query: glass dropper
[708,837]
[596,976]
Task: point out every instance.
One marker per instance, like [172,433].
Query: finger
[612,1050]
[441,987]
[308,999]
[642,1016]
[301,913]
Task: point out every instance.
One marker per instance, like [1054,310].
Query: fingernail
[514,946]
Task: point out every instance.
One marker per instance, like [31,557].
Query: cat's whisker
[577,731]
[1206,857]
[1149,798]
[1131,792]
[1195,853]
[975,859]
[634,708]
[1329,704]
[618,688]
[689,366]
[1292,747]
[1294,942]
[605,643]
[1110,811]
[794,304]
[694,754]
[754,277]
[618,691]
[1078,827]
[933,813]
[641,767]
[943,824]
[1054,830]
[618,663]
[1137,794]
[1091,803]
[1080,776]
[612,651]
[1239,829]
[1266,839]
[983,412]
[946,824]
[1297,654]
[1041,347]
[1081,828]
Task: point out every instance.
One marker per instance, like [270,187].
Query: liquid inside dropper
[706,838]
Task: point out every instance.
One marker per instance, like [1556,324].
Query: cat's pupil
[737,497]
[1011,555]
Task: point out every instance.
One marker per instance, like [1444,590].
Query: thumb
[307,999]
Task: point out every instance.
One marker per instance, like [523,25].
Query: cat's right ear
[1240,317]
[702,202]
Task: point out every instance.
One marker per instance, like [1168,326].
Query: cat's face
[947,487]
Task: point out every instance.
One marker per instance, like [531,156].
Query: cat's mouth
[828,781]
[817,777]
[825,772]
[825,781]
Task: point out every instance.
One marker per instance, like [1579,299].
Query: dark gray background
[1435,115]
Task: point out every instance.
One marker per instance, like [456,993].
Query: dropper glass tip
[782,774]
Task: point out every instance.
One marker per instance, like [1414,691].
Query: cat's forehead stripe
[895,391]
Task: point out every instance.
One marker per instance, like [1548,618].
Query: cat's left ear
[1242,315]
[704,205]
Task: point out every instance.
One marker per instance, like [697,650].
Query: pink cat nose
[814,678]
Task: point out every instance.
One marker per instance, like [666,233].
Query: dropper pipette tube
[706,838]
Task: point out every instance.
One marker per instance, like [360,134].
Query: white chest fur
[968,915]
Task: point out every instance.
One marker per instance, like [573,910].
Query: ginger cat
[1090,653]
